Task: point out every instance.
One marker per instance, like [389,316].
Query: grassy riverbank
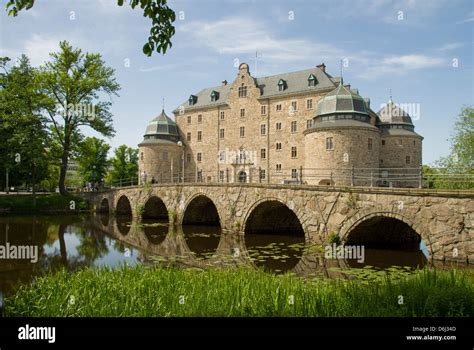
[139,291]
[45,203]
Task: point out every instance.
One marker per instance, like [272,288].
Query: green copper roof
[342,100]
[162,125]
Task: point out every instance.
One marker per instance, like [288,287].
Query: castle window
[278,107]
[329,143]
[293,106]
[188,136]
[221,133]
[294,126]
[294,153]
[263,153]
[263,129]
[189,119]
[262,174]
[312,80]
[309,123]
[199,118]
[242,131]
[164,155]
[414,142]
[214,96]
[199,157]
[278,126]
[407,160]
[222,115]
[141,155]
[222,156]
[281,85]
[381,161]
[369,144]
[242,112]
[199,136]
[309,103]
[294,173]
[192,100]
[383,142]
[242,91]
[399,142]
[263,110]
[221,175]
[278,146]
[188,158]
[278,167]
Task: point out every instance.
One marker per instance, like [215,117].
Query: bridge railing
[415,177]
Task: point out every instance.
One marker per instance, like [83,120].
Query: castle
[300,127]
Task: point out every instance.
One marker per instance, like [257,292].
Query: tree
[23,146]
[161,16]
[124,164]
[93,159]
[73,83]
[458,168]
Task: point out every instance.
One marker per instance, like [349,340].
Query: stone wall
[350,150]
[444,220]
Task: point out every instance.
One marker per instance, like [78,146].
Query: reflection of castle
[302,126]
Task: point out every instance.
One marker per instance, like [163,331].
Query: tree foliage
[124,165]
[456,171]
[23,152]
[93,161]
[161,16]
[75,84]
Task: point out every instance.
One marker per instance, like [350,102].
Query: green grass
[155,291]
[55,202]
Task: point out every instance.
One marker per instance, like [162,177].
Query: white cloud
[470,18]
[37,48]
[450,46]
[410,62]
[241,37]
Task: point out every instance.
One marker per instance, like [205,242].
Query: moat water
[75,242]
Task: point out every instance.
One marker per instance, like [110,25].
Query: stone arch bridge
[444,220]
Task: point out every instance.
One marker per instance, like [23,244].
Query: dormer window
[312,80]
[192,100]
[281,85]
[214,96]
[242,91]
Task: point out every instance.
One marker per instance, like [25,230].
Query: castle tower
[342,136]
[400,147]
[161,151]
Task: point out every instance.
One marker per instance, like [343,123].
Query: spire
[163,108]
[390,101]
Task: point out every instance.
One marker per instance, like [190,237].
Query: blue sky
[408,46]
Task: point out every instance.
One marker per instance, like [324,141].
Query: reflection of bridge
[375,217]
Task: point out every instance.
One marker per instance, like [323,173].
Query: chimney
[322,66]
[224,82]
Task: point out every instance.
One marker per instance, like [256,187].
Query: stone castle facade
[299,127]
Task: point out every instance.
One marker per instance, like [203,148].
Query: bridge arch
[155,208]
[402,233]
[123,206]
[270,204]
[104,206]
[200,209]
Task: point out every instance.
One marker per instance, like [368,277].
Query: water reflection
[81,241]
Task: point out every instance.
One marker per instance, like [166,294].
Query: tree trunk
[33,180]
[62,174]
[62,244]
